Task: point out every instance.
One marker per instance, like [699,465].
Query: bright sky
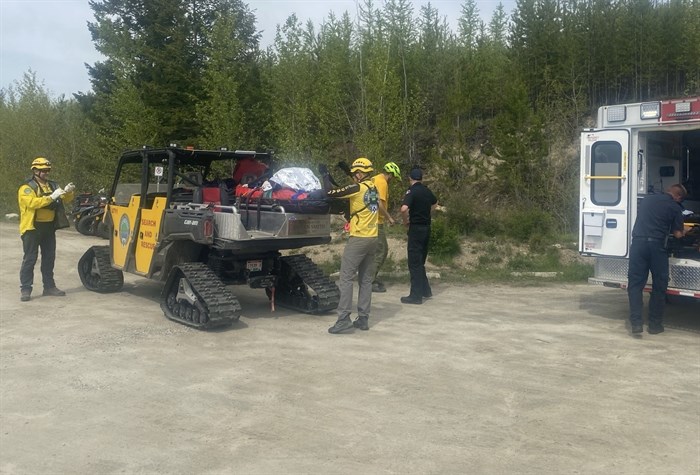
[51,38]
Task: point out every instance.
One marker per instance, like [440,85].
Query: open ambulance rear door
[604,193]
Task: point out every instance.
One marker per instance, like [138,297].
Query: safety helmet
[41,163]
[361,165]
[394,169]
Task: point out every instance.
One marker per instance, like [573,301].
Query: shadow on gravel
[681,313]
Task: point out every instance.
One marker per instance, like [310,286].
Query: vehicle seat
[212,194]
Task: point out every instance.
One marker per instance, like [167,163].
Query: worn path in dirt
[480,379]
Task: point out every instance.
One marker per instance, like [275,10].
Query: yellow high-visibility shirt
[383,189]
[364,207]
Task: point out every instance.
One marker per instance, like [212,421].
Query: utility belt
[661,242]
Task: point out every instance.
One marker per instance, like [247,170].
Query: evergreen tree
[229,68]
[158,50]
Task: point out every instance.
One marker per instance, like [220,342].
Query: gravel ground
[480,379]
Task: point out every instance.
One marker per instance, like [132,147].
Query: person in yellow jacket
[358,255]
[41,212]
[381,181]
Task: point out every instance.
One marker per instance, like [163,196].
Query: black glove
[345,167]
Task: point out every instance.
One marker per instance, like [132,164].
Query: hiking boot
[637,329]
[361,323]
[341,325]
[655,329]
[26,295]
[411,300]
[378,287]
[53,292]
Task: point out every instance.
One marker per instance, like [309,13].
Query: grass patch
[500,261]
[488,260]
[569,273]
[332,265]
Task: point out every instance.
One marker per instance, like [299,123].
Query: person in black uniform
[657,216]
[417,205]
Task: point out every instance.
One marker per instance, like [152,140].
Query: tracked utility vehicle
[199,220]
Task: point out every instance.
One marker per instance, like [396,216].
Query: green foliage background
[489,111]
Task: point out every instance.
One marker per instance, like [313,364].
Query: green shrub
[490,224]
[538,243]
[332,266]
[577,272]
[488,260]
[462,217]
[442,260]
[525,223]
[471,217]
[547,262]
[444,240]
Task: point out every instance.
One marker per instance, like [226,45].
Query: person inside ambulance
[41,213]
[658,215]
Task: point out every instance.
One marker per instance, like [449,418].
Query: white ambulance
[636,150]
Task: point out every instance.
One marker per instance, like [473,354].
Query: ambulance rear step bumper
[684,275]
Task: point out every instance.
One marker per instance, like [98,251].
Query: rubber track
[221,305]
[111,279]
[327,293]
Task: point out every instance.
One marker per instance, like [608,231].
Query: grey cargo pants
[358,256]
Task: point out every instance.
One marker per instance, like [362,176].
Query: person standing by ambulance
[658,215]
[381,181]
[41,213]
[418,203]
[358,256]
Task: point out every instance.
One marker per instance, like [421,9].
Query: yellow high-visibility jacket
[36,205]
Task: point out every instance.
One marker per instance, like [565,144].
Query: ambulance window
[606,161]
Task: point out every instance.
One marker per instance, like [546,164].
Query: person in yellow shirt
[41,212]
[358,255]
[381,181]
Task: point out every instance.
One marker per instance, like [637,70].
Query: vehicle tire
[103,230]
[85,225]
[76,220]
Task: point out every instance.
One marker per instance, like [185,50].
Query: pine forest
[492,112]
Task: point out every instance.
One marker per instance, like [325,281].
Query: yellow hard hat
[41,163]
[361,165]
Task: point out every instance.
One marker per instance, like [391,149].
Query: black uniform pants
[645,256]
[44,238]
[418,240]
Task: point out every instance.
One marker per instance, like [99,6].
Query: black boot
[53,292]
[361,323]
[341,325]
[26,295]
[378,287]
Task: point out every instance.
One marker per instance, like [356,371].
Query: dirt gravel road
[479,380]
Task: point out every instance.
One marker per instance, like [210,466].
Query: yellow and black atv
[198,220]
